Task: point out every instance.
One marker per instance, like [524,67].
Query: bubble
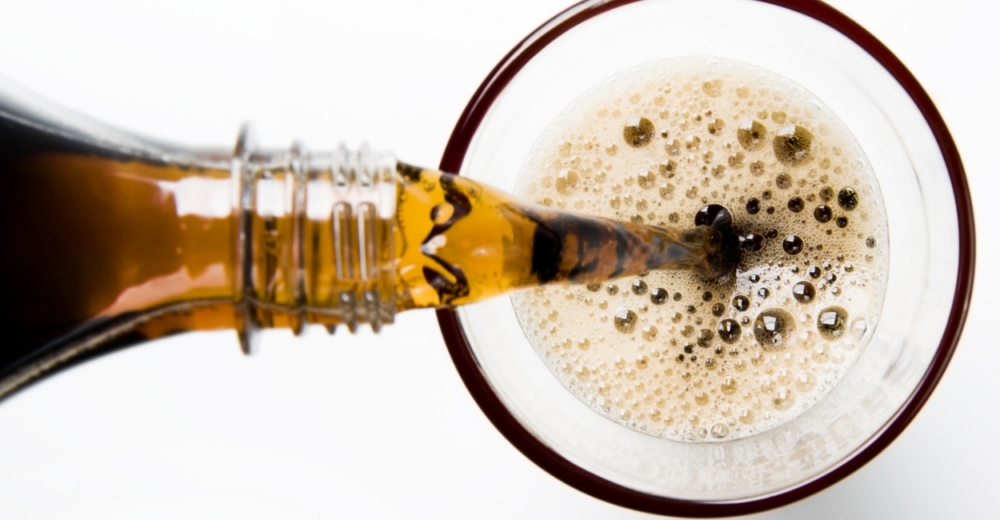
[719,431]
[847,199]
[831,322]
[667,170]
[783,181]
[752,242]
[796,204]
[639,287]
[753,206]
[773,329]
[649,333]
[804,292]
[823,213]
[783,398]
[741,303]
[826,194]
[792,245]
[718,310]
[757,167]
[831,278]
[763,292]
[729,331]
[715,127]
[566,181]
[793,145]
[752,135]
[625,320]
[638,132]
[612,289]
[714,215]
[642,362]
[771,233]
[712,88]
[593,287]
[805,381]
[659,296]
[870,242]
[746,416]
[858,328]
[706,296]
[705,338]
[646,180]
[815,272]
[736,160]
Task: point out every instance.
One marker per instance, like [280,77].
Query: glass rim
[603,489]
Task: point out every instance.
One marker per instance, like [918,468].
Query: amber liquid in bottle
[110,244]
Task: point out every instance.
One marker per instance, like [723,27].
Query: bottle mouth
[346,196]
[723,252]
[721,242]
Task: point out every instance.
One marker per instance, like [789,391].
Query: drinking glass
[931,251]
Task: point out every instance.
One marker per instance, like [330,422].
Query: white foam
[636,378]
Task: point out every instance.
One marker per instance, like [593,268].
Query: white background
[382,427]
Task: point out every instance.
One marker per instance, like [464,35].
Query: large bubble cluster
[698,141]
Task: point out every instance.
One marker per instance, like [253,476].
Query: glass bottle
[114,240]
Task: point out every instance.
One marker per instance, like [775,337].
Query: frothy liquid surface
[671,354]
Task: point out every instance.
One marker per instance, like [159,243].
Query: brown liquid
[94,240]
[491,243]
[106,250]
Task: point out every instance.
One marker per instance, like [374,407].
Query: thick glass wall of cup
[923,236]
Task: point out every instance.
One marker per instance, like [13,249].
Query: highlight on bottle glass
[671,393]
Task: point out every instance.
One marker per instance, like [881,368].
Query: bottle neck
[314,239]
[121,241]
[130,241]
